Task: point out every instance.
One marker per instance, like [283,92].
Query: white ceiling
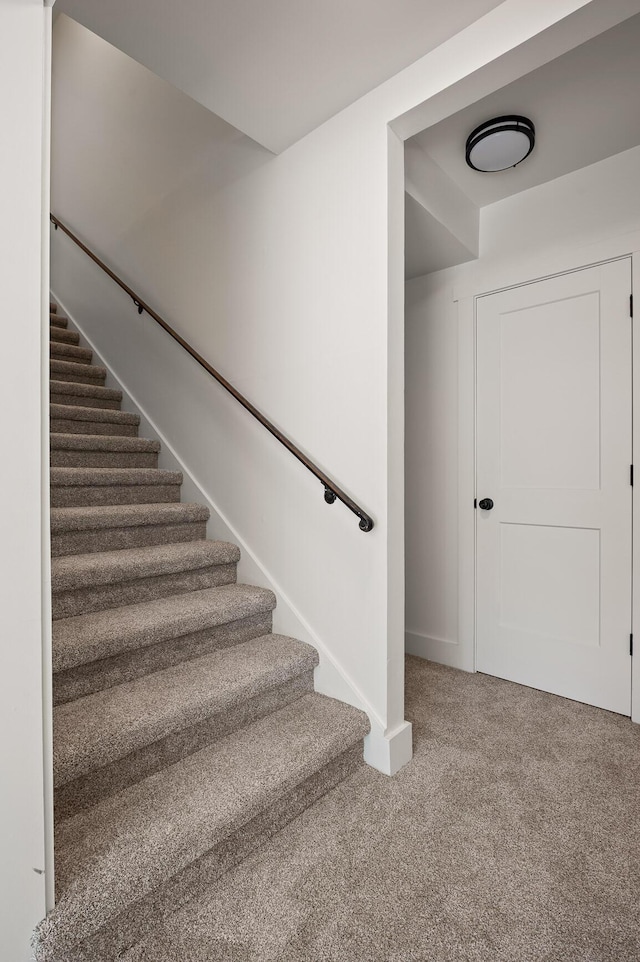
[275,69]
[585,106]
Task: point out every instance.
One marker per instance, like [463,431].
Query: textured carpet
[185,732]
[514,836]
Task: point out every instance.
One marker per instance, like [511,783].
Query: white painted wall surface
[275,70]
[23,37]
[431,471]
[581,218]
[436,192]
[290,279]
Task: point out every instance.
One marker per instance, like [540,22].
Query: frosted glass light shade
[501,143]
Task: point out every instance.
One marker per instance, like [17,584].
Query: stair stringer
[387,751]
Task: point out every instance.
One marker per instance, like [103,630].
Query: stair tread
[132,843]
[75,412]
[103,634]
[113,476]
[101,442]
[92,371]
[71,352]
[112,567]
[57,320]
[77,389]
[63,336]
[108,725]
[125,515]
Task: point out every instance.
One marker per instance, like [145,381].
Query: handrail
[331,490]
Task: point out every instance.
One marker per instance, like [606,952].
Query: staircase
[185,732]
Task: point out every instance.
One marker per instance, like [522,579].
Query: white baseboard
[384,752]
[443,652]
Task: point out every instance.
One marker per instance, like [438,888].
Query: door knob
[486,504]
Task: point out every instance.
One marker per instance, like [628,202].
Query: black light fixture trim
[498,125]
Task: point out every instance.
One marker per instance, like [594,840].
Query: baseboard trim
[443,652]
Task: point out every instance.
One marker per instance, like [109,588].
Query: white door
[554,455]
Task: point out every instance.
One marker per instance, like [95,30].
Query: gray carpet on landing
[514,836]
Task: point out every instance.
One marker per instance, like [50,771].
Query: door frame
[494,280]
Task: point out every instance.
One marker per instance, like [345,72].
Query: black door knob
[486,504]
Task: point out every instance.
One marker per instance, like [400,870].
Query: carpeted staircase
[185,732]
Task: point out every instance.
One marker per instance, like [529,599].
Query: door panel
[555,444]
[553,452]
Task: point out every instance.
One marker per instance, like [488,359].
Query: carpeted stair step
[111,527]
[85,395]
[96,651]
[125,863]
[73,487]
[77,373]
[110,579]
[186,733]
[108,741]
[53,307]
[103,451]
[76,419]
[70,352]
[63,336]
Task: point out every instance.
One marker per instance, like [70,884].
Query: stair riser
[124,930]
[113,539]
[69,496]
[73,377]
[56,321]
[62,336]
[105,404]
[80,601]
[70,352]
[98,675]
[72,426]
[103,459]
[96,785]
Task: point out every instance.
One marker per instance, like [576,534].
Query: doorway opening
[518,372]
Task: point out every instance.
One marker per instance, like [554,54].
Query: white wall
[275,70]
[436,192]
[290,280]
[23,39]
[578,219]
[431,469]
[139,134]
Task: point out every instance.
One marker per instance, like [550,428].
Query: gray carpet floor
[513,836]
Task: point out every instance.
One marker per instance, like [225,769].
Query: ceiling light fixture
[500,143]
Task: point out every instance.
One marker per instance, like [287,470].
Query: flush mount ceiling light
[500,143]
